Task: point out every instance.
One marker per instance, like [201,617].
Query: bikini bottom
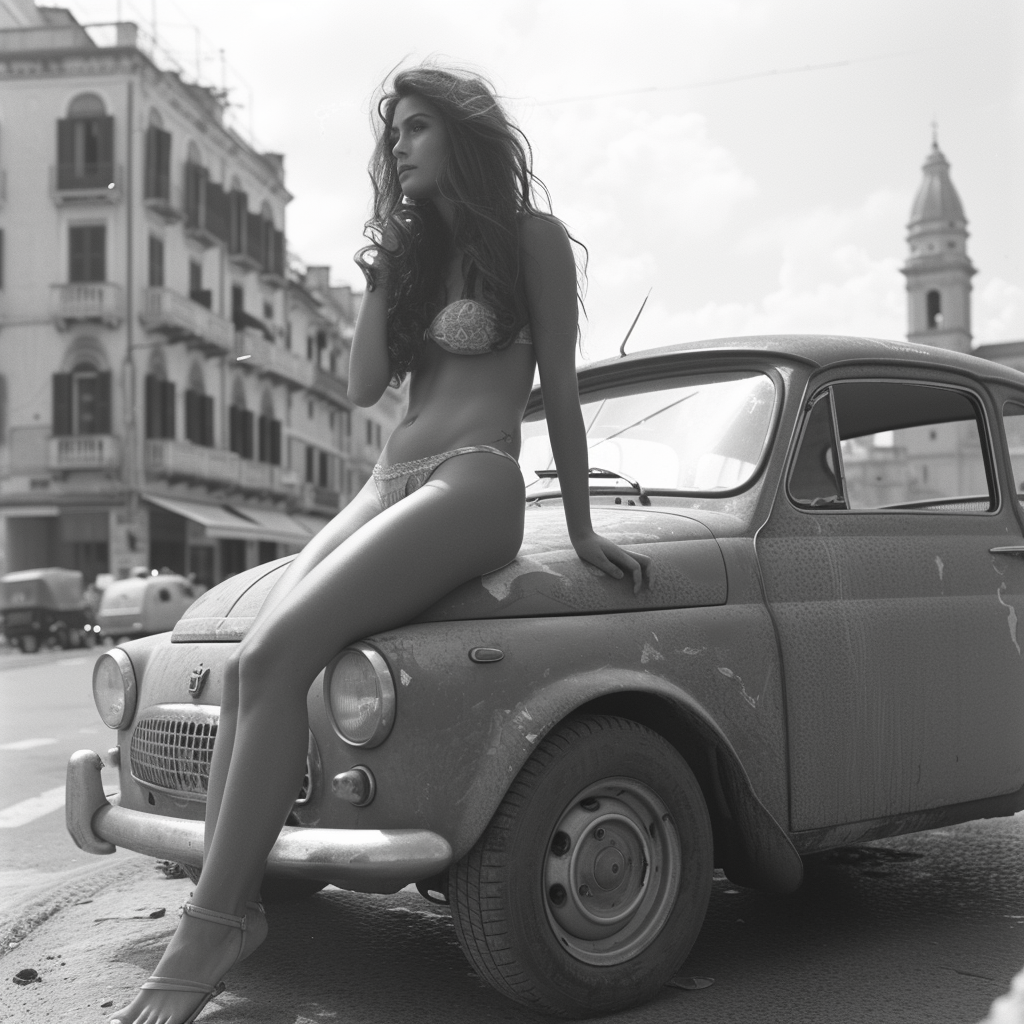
[400,480]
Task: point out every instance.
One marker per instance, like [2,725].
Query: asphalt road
[923,928]
[46,713]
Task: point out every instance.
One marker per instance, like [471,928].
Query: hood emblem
[197,680]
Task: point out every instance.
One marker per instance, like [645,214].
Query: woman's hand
[613,560]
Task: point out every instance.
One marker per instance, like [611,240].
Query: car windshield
[697,433]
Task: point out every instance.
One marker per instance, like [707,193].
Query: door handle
[1010,549]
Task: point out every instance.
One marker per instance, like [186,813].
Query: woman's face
[419,143]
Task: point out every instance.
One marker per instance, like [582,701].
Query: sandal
[207,991]
[255,929]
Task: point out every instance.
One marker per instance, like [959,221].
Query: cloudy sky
[751,161]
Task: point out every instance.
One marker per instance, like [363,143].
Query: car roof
[821,350]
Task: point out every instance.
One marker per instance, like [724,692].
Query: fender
[751,846]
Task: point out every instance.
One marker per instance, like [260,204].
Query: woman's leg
[466,520]
[359,511]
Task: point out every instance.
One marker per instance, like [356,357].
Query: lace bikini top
[466,327]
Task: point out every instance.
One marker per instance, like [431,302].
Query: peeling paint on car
[1011,615]
[650,653]
[939,566]
[405,678]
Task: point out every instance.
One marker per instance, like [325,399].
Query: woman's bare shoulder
[542,235]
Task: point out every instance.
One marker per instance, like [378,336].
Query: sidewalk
[89,935]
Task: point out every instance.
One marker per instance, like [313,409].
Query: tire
[275,888]
[539,906]
[76,638]
[29,643]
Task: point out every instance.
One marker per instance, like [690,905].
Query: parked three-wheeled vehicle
[46,606]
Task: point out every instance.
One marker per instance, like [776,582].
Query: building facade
[172,383]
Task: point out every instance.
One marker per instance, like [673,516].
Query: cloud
[829,281]
[998,312]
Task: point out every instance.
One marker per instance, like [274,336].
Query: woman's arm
[369,368]
[550,275]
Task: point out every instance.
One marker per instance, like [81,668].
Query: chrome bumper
[365,860]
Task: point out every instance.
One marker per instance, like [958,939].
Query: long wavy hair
[487,175]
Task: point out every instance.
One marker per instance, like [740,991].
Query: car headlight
[360,696]
[114,688]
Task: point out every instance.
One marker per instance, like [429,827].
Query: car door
[900,629]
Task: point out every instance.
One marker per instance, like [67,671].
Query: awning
[219,521]
[313,524]
[274,525]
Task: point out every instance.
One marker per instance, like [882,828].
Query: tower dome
[936,201]
[938,269]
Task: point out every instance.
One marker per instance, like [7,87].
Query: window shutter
[65,152]
[323,469]
[309,464]
[233,442]
[149,190]
[152,406]
[102,417]
[206,402]
[167,408]
[246,419]
[105,145]
[61,404]
[263,439]
[191,415]
[275,442]
[97,254]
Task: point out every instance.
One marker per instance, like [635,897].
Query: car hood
[545,578]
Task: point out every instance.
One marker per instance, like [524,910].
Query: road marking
[32,808]
[72,661]
[26,744]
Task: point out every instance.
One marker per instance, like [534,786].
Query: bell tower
[938,269]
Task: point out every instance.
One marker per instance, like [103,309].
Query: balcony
[319,499]
[181,319]
[97,183]
[330,387]
[272,360]
[96,301]
[255,476]
[182,460]
[85,451]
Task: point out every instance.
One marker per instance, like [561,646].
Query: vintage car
[141,605]
[43,607]
[829,652]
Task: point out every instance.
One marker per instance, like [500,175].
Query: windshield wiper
[595,471]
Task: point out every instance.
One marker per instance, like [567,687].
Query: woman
[470,287]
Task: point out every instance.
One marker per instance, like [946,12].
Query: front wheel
[29,643]
[590,885]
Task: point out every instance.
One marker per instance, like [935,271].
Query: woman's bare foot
[200,951]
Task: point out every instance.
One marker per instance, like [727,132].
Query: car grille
[172,746]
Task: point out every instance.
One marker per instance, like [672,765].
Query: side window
[901,446]
[1013,424]
[813,482]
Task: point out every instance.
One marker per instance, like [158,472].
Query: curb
[29,911]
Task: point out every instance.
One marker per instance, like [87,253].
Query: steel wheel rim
[611,872]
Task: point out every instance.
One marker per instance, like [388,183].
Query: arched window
[86,104]
[240,423]
[933,310]
[198,409]
[81,401]
[85,145]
